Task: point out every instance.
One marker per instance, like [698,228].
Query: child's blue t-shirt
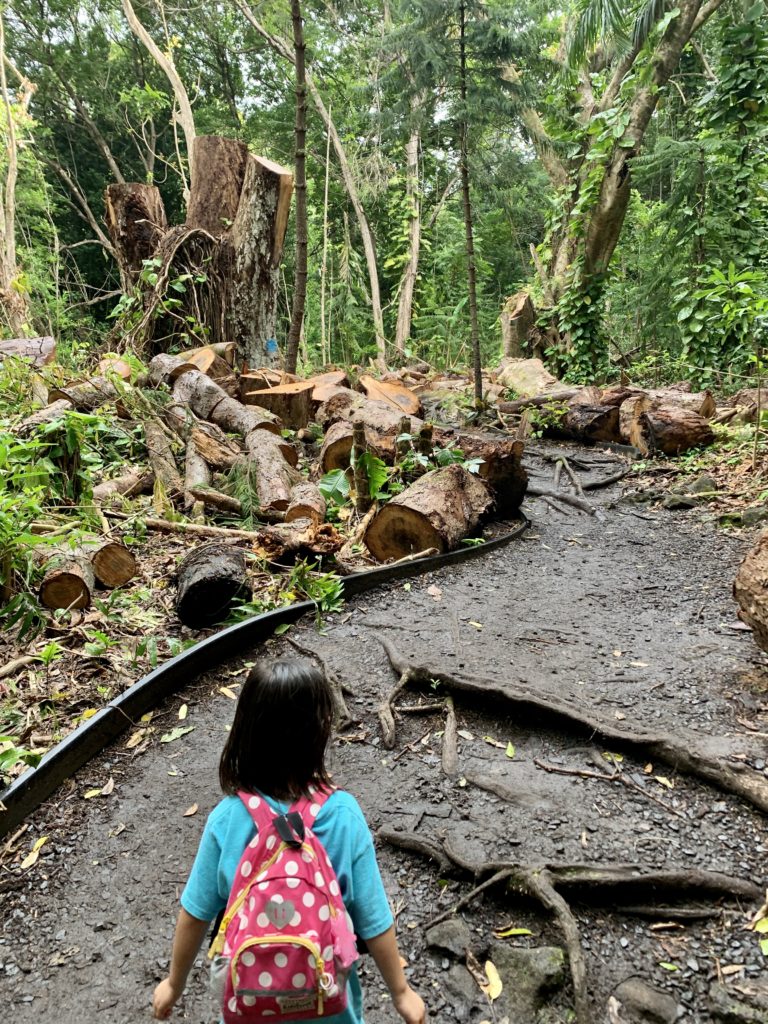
[343,831]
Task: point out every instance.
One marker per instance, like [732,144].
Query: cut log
[209,362]
[380,417]
[85,395]
[165,369]
[438,511]
[225,350]
[113,563]
[275,478]
[210,579]
[38,351]
[527,377]
[501,469]
[746,402]
[136,222]
[114,365]
[701,402]
[48,414]
[69,582]
[291,403]
[137,481]
[663,428]
[197,473]
[561,397]
[210,402]
[161,457]
[261,438]
[257,380]
[306,503]
[392,393]
[216,499]
[336,452]
[518,319]
[750,590]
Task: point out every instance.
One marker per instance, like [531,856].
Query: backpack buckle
[290,828]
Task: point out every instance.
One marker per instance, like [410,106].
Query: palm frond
[596,21]
[647,19]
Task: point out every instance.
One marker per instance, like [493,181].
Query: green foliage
[303,583]
[334,487]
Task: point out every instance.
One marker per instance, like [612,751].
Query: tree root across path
[685,752]
[542,882]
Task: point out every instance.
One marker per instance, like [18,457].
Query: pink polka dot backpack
[286,943]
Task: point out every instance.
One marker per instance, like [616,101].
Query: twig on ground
[615,776]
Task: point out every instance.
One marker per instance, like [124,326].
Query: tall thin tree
[300,180]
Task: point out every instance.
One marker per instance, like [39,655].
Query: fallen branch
[615,776]
[685,753]
[567,499]
[194,529]
[10,668]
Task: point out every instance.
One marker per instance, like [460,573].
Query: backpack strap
[309,806]
[262,814]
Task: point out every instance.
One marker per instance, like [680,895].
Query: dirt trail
[629,614]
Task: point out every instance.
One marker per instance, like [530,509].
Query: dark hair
[280,732]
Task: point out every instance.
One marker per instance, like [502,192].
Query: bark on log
[261,438]
[137,481]
[210,579]
[166,369]
[48,414]
[85,395]
[291,403]
[501,469]
[210,402]
[275,478]
[750,590]
[136,222]
[196,473]
[336,452]
[161,457]
[664,428]
[438,511]
[40,351]
[380,417]
[584,422]
[113,563]
[701,402]
[306,503]
[69,582]
[392,393]
[537,401]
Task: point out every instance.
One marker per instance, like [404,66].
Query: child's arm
[383,949]
[187,939]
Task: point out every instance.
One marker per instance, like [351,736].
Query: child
[276,748]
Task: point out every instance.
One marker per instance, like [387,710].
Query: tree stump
[518,319]
[136,222]
[438,511]
[291,403]
[210,579]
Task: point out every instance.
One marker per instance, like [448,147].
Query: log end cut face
[65,590]
[398,531]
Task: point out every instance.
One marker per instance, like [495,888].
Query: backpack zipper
[296,940]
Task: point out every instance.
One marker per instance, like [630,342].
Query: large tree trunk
[468,230]
[226,255]
[436,512]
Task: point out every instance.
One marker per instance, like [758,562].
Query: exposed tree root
[386,710]
[685,753]
[568,499]
[343,716]
[542,882]
[450,752]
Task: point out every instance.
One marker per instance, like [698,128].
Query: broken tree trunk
[286,541]
[437,511]
[527,377]
[231,246]
[136,222]
[501,469]
[589,422]
[85,395]
[210,402]
[518,319]
[210,579]
[48,414]
[275,478]
[380,417]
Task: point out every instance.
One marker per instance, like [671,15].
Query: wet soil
[627,613]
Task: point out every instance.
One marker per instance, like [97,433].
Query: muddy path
[628,614]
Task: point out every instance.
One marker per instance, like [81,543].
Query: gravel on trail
[628,612]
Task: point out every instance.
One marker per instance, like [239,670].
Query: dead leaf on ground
[493,988]
[193,809]
[228,692]
[34,853]
[183,712]
[108,787]
[435,592]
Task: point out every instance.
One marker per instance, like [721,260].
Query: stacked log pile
[202,419]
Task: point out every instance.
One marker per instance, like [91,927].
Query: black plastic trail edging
[62,761]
